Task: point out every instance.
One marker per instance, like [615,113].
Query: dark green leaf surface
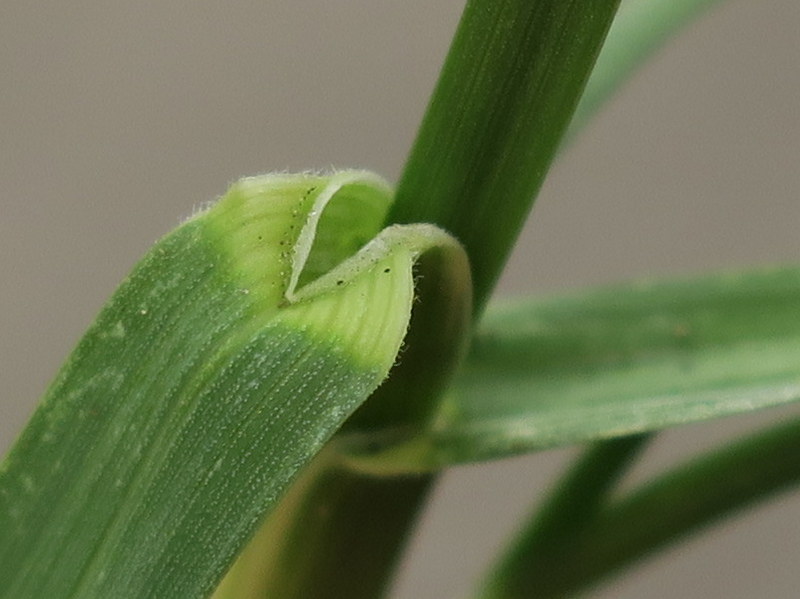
[614,362]
[216,372]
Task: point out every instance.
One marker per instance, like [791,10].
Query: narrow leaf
[233,351]
[610,363]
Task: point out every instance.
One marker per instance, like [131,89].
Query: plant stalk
[561,521]
[509,87]
[511,81]
[663,511]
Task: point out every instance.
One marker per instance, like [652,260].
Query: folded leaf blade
[218,369]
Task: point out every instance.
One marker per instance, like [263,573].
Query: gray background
[117,118]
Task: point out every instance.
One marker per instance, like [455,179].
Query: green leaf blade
[214,374]
[615,362]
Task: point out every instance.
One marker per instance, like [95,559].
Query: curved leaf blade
[213,375]
[609,363]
